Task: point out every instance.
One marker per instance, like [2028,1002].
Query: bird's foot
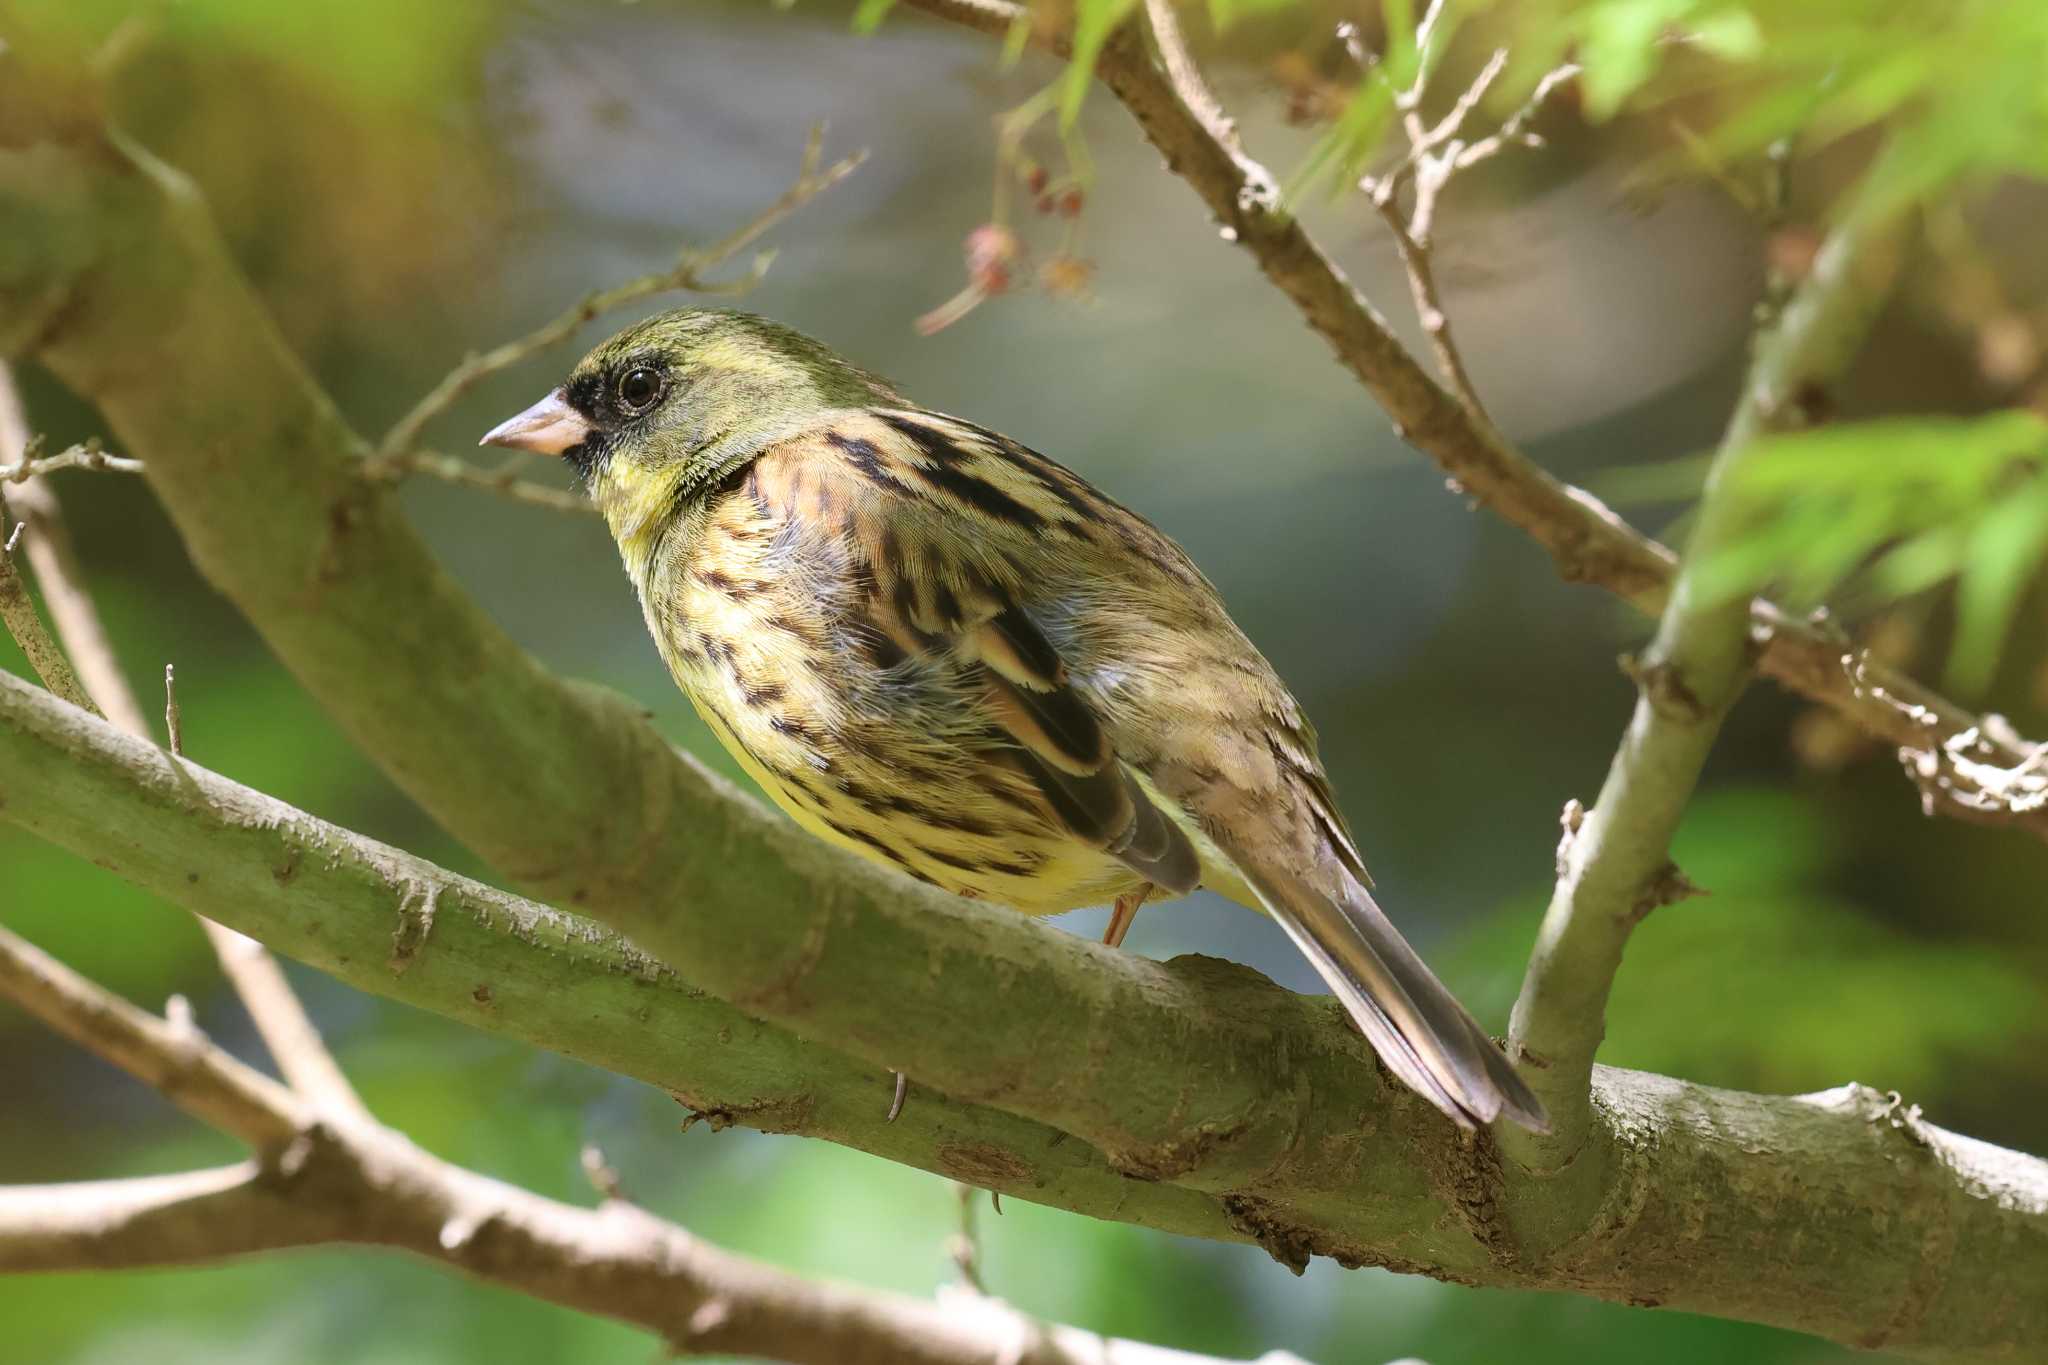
[1125,910]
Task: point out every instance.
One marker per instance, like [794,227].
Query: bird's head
[671,406]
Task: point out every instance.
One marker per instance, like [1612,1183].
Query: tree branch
[1167,1072]
[501,481]
[294,1043]
[1615,866]
[172,1057]
[347,1179]
[396,926]
[1587,540]
[30,466]
[1237,1110]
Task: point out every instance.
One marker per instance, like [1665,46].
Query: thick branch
[1252,1113]
[394,925]
[1588,541]
[1615,866]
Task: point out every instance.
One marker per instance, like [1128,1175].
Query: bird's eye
[638,388]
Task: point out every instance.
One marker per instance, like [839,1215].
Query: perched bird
[945,652]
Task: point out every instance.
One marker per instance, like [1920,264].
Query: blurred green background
[406,182]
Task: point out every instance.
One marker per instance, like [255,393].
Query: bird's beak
[549,427]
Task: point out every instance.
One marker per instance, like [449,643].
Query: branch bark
[1202,1099]
[1586,539]
[1615,867]
[396,926]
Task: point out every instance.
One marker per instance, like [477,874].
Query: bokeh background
[406,182]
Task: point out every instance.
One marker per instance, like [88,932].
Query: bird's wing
[1153,727]
[946,527]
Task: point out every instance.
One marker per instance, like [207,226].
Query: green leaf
[868,15]
[1347,144]
[1903,499]
[1619,47]
[2004,556]
[1224,13]
[1890,450]
[1094,21]
[1732,33]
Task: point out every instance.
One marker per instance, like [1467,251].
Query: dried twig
[1435,155]
[502,481]
[174,716]
[396,453]
[86,456]
[191,1072]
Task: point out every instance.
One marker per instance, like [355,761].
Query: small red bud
[991,250]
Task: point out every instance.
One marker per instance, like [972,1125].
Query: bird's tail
[1411,1019]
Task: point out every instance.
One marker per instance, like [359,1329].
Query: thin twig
[397,449]
[192,1073]
[174,719]
[500,481]
[1430,311]
[1434,157]
[964,1246]
[1185,74]
[1515,131]
[52,557]
[86,456]
[18,611]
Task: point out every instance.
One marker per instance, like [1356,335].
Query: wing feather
[942,589]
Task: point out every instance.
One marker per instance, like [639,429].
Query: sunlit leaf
[2004,556]
[1347,143]
[1224,13]
[1897,505]
[1094,21]
[868,15]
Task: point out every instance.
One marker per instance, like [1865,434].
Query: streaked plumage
[945,652]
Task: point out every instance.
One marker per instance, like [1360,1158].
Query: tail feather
[1411,1019]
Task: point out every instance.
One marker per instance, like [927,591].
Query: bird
[947,653]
